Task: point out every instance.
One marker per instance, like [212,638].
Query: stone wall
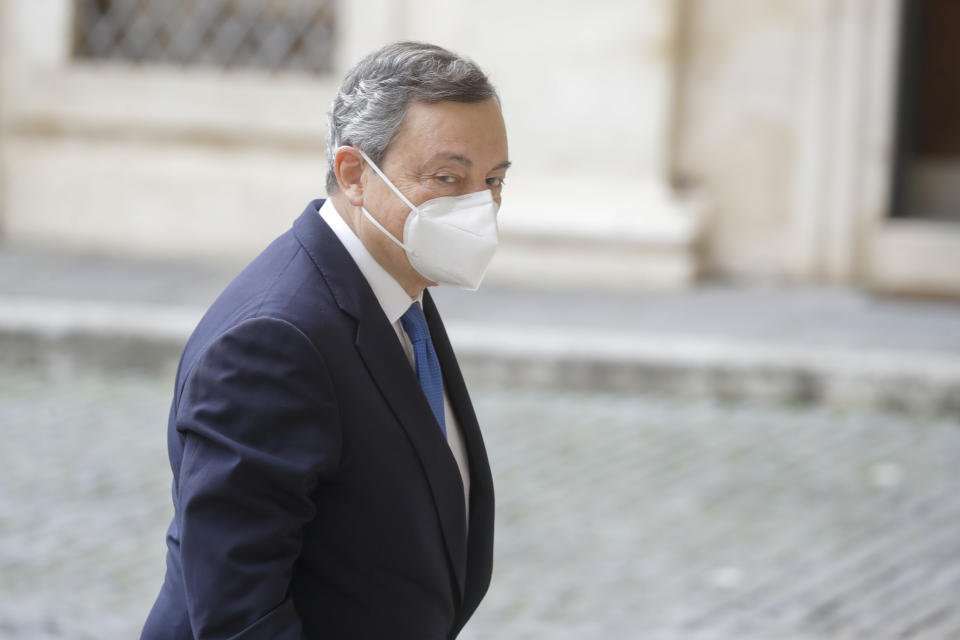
[738,122]
[653,142]
[171,161]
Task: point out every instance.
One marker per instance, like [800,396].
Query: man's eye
[495,182]
[447,179]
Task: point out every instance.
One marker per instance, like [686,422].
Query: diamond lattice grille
[267,34]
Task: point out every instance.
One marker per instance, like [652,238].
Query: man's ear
[348,166]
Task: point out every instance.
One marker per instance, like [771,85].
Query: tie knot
[415,323]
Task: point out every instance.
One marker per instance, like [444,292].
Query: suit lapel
[479,552]
[383,356]
[381,351]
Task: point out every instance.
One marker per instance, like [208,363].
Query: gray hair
[373,98]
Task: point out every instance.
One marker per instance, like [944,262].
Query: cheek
[388,205]
[388,210]
[395,216]
[421,193]
[395,220]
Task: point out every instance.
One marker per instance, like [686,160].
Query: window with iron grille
[266,34]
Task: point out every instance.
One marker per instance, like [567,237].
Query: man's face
[442,149]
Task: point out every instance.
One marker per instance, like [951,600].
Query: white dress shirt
[395,302]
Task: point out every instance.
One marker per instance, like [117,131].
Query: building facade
[654,143]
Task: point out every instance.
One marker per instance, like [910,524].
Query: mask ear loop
[383,229]
[370,217]
[386,179]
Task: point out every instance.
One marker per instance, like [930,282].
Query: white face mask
[450,239]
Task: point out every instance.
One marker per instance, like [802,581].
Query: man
[329,476]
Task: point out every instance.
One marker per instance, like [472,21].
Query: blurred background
[717,358]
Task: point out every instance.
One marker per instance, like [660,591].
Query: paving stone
[618,516]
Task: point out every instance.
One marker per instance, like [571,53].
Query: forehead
[473,130]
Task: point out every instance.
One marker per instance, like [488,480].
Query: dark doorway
[927,171]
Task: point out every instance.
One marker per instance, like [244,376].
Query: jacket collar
[389,293]
[480,539]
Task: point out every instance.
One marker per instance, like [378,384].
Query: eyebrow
[467,162]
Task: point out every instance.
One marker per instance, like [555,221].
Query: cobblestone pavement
[618,517]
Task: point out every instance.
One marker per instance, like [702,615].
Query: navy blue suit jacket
[314,493]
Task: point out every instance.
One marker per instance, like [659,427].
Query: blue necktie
[425,359]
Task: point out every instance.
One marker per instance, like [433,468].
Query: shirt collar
[391,296]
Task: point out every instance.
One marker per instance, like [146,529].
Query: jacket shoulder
[281,283]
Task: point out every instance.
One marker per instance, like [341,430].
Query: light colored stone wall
[171,162]
[653,141]
[150,160]
[588,99]
[738,126]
